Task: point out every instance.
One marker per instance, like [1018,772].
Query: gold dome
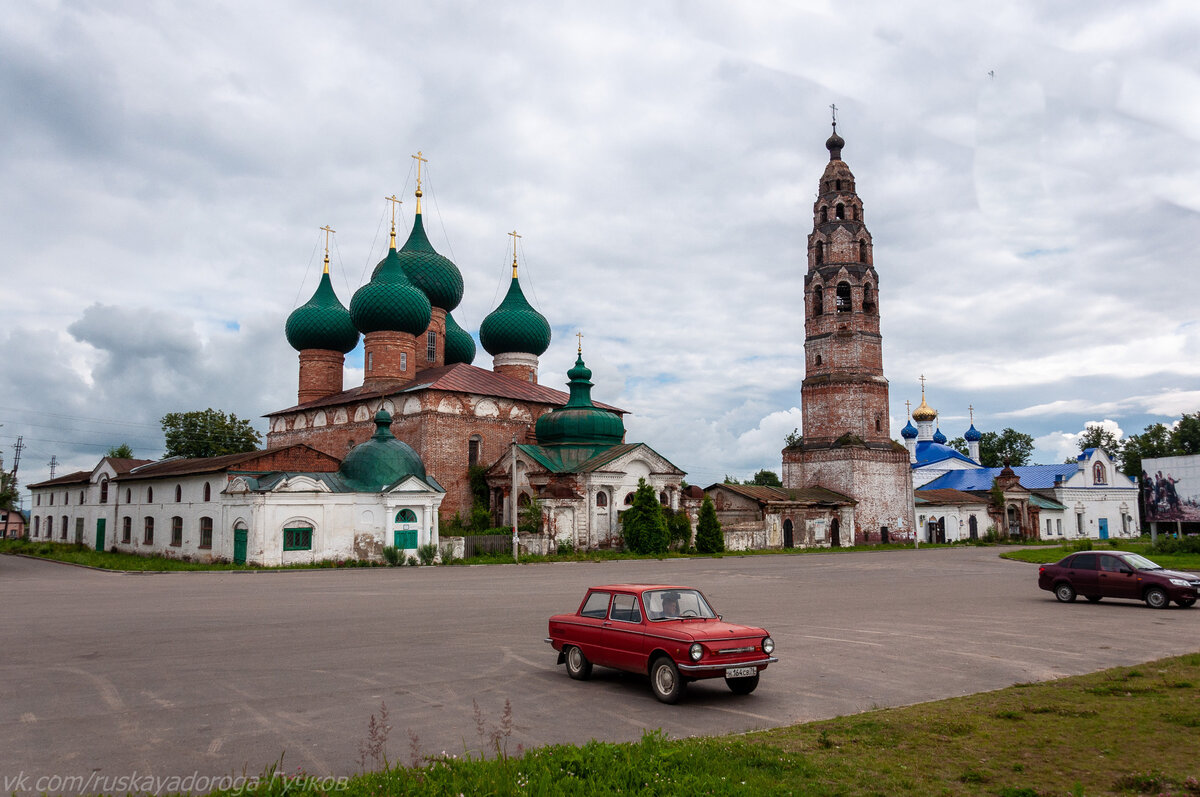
[924,412]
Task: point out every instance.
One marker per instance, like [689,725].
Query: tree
[1096,436]
[766,478]
[730,480]
[122,451]
[1012,445]
[709,538]
[8,491]
[679,527]
[793,437]
[1156,441]
[1187,434]
[207,433]
[531,515]
[643,525]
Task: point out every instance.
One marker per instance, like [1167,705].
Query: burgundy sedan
[1115,574]
[669,633]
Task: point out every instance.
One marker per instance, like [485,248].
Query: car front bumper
[716,667]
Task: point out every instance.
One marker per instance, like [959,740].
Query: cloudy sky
[1030,173]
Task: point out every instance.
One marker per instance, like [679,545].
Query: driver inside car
[670,605]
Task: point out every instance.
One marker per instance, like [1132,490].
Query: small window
[868,299]
[51,499]
[403,361]
[37,526]
[843,297]
[820,252]
[878,425]
[595,606]
[819,360]
[662,498]
[82,499]
[178,493]
[629,499]
[840,211]
[862,251]
[406,516]
[299,539]
[103,491]
[473,450]
[128,496]
[824,214]
[205,532]
[370,361]
[625,609]
[431,346]
[39,500]
[65,525]
[818,300]
[207,491]
[126,529]
[601,499]
[148,534]
[838,185]
[66,498]
[149,495]
[1058,526]
[177,531]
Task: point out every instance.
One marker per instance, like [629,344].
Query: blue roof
[972,434]
[1033,477]
[909,431]
[938,437]
[929,452]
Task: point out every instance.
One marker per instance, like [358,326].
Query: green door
[239,546]
[100,534]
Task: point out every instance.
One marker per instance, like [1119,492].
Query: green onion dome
[322,323]
[579,421]
[515,326]
[434,274]
[460,347]
[390,302]
[381,461]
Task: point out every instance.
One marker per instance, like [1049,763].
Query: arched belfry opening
[844,304]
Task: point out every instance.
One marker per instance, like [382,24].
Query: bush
[679,527]
[643,525]
[565,548]
[709,538]
[391,554]
[1082,545]
[481,518]
[1169,544]
[427,553]
[412,561]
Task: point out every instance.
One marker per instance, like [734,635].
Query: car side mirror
[1126,571]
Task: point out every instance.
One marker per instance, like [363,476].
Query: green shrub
[391,554]
[1168,544]
[679,527]
[709,538]
[427,553]
[1082,545]
[643,525]
[565,548]
[412,561]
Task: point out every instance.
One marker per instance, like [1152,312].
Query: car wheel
[742,686]
[1186,602]
[1064,592]
[1093,598]
[578,667]
[1157,599]
[665,680]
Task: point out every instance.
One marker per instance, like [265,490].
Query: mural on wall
[1171,488]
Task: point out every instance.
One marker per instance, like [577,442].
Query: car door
[624,633]
[1081,572]
[587,627]
[1115,578]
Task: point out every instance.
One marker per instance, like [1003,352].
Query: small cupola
[579,422]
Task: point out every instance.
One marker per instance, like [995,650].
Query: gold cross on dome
[395,201]
[327,230]
[971,409]
[515,237]
[580,336]
[908,408]
[419,159]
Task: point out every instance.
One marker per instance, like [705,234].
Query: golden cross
[971,409]
[327,230]
[419,159]
[394,202]
[580,336]
[922,387]
[515,237]
[908,408]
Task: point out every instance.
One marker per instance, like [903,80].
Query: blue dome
[938,437]
[972,435]
[909,431]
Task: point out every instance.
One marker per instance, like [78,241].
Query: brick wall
[320,374]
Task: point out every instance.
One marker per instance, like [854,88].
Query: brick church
[846,445]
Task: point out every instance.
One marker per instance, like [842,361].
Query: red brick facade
[320,374]
[846,444]
[388,357]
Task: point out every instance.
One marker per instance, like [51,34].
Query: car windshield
[668,604]
[1138,562]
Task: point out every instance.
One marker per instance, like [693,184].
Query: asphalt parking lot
[222,673]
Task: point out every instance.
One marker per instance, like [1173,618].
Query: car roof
[637,587]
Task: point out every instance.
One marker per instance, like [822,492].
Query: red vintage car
[670,633]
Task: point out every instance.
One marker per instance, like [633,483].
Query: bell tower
[846,443]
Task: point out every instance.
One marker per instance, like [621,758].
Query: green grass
[107,560]
[1048,555]
[1125,731]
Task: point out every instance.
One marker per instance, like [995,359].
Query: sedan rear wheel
[1156,598]
[1064,592]
[578,667]
[665,680]
[742,686]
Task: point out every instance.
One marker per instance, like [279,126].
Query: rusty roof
[946,497]
[181,466]
[78,477]
[804,495]
[457,378]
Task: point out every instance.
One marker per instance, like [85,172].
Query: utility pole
[17,457]
[53,463]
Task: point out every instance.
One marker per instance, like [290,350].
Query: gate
[475,544]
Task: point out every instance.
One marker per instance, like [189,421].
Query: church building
[846,445]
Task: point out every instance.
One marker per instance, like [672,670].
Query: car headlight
[696,651]
[768,645]
[1179,582]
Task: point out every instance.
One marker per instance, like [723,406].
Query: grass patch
[107,560]
[1076,736]
[1044,555]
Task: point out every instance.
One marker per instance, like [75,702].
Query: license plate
[741,672]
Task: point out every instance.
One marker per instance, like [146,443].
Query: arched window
[843,297]
[818,300]
[473,446]
[128,496]
[126,529]
[840,211]
[853,213]
[148,534]
[177,531]
[662,498]
[406,516]
[207,492]
[862,251]
[81,497]
[205,532]
[178,493]
[431,346]
[601,499]
[37,526]
[868,299]
[878,425]
[838,183]
[104,491]
[819,361]
[820,252]
[149,495]
[1099,473]
[629,499]
[824,213]
[49,526]
[65,523]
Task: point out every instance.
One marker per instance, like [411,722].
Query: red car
[1105,574]
[670,633]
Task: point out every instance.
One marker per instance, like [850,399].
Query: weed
[374,747]
[1009,715]
[823,739]
[427,553]
[1141,783]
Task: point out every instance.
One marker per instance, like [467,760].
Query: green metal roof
[580,422]
[322,323]
[460,346]
[381,461]
[434,274]
[390,301]
[515,326]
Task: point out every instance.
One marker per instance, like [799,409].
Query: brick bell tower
[846,444]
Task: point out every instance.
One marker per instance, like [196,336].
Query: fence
[475,544]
